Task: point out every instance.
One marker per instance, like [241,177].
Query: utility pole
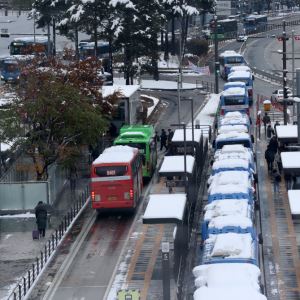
[284,79]
[298,103]
[216,54]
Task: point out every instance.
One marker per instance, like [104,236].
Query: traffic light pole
[284,79]
[216,54]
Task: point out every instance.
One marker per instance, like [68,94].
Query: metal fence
[30,277]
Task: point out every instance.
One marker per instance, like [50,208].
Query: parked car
[277,96]
[242,38]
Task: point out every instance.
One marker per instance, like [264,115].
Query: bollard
[56,237]
[24,285]
[37,266]
[28,279]
[52,237]
[42,262]
[49,247]
[20,291]
[33,274]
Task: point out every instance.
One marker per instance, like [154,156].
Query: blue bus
[231,245]
[246,77]
[234,99]
[227,59]
[10,71]
[87,49]
[30,45]
[255,23]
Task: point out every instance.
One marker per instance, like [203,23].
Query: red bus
[117,179]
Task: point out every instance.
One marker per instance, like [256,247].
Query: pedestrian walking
[258,123]
[276,180]
[273,144]
[270,131]
[156,137]
[73,178]
[41,218]
[170,136]
[269,156]
[266,120]
[163,140]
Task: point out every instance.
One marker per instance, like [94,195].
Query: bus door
[112,186]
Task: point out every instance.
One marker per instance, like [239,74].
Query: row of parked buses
[118,174]
[228,265]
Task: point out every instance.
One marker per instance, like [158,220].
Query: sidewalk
[17,249]
[280,247]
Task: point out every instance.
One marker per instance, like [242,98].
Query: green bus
[143,138]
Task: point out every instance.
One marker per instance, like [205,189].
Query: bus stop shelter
[291,162]
[170,209]
[294,201]
[287,134]
[178,176]
[194,146]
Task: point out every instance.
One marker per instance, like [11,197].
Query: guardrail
[30,277]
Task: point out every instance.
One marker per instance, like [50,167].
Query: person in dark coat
[266,120]
[276,180]
[269,156]
[170,135]
[270,131]
[41,218]
[273,144]
[163,140]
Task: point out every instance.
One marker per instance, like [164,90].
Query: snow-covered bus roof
[232,135]
[229,177]
[229,189]
[31,39]
[227,85]
[165,208]
[216,276]
[233,127]
[230,207]
[231,163]
[179,135]
[231,220]
[230,53]
[239,74]
[116,154]
[175,164]
[229,293]
[240,68]
[234,91]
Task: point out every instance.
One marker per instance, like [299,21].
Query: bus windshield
[234,60]
[10,67]
[234,100]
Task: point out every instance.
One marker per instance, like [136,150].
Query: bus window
[107,171]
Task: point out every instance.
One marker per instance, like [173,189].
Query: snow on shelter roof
[125,90]
[216,275]
[236,293]
[294,200]
[234,91]
[287,131]
[179,135]
[116,154]
[290,160]
[165,208]
[175,164]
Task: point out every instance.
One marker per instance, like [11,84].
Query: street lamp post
[192,112]
[284,79]
[216,54]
